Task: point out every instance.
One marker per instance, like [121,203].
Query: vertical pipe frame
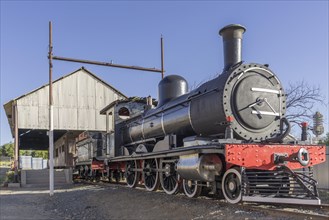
[51,127]
[162,65]
[51,116]
[16,140]
[107,133]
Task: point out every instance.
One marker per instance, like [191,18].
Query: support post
[107,133]
[16,143]
[162,65]
[51,127]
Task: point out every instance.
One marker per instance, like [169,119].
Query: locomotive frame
[237,183]
[226,137]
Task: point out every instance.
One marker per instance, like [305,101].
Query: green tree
[7,150]
[41,153]
[25,152]
[34,153]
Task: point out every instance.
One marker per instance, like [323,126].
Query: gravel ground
[115,202]
[324,196]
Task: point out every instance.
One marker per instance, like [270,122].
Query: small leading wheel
[131,174]
[169,178]
[191,188]
[231,186]
[150,174]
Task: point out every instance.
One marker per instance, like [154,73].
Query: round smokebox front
[255,100]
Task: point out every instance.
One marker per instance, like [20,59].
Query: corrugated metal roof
[82,68]
[77,97]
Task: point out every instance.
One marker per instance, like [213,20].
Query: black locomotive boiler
[227,137]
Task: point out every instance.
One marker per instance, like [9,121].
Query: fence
[32,163]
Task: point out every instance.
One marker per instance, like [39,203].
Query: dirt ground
[80,201]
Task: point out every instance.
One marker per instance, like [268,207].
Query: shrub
[10,176]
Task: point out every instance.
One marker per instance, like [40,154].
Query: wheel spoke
[169,177]
[153,178]
[131,176]
[169,184]
[150,176]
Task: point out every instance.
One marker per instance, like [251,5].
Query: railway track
[294,211]
[275,210]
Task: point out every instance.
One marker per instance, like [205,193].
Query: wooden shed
[78,98]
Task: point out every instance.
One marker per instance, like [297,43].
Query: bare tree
[196,85]
[301,98]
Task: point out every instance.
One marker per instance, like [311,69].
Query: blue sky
[290,36]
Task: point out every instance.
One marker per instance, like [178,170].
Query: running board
[216,148]
[281,200]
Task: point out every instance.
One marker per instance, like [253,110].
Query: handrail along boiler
[228,136]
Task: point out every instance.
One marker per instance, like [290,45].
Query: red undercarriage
[253,156]
[262,156]
[99,165]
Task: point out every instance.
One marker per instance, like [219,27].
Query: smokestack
[232,41]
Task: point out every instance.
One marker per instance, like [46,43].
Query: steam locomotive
[226,137]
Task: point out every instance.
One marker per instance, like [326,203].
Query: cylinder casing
[199,167]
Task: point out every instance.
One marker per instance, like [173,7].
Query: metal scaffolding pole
[162,65]
[16,141]
[51,127]
[51,116]
[106,64]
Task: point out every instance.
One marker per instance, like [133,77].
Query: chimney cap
[232,27]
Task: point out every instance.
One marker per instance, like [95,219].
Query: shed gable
[77,98]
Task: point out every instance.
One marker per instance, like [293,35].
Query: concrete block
[68,175]
[23,177]
[14,185]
